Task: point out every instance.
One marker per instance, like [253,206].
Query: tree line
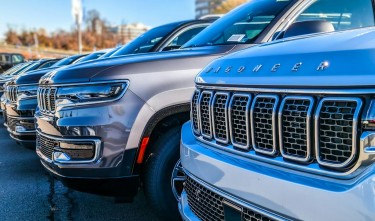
[95,34]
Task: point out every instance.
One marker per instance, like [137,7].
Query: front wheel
[163,176]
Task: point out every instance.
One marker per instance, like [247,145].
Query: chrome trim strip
[354,131]
[96,142]
[196,131]
[248,127]
[308,129]
[274,125]
[226,116]
[208,136]
[358,91]
[234,199]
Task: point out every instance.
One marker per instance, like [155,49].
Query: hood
[341,59]
[121,67]
[32,77]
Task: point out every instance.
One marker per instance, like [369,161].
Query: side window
[343,14]
[185,36]
[16,59]
[46,65]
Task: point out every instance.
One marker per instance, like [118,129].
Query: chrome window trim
[95,141]
[354,131]
[274,124]
[243,204]
[248,124]
[196,131]
[308,129]
[226,117]
[208,136]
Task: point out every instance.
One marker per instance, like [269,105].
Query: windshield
[241,26]
[91,56]
[65,61]
[147,41]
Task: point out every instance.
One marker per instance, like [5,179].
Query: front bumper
[278,192]
[20,123]
[106,124]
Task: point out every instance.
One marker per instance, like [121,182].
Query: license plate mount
[232,212]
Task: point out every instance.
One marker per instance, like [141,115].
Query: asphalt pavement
[28,192]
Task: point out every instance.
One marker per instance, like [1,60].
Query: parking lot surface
[27,192]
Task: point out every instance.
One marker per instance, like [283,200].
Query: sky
[56,14]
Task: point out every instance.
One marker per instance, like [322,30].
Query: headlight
[27,91]
[90,93]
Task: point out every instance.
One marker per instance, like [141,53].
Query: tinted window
[66,61]
[186,35]
[345,14]
[242,25]
[47,64]
[109,54]
[4,58]
[17,58]
[91,56]
[147,41]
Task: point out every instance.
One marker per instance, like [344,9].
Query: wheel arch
[161,121]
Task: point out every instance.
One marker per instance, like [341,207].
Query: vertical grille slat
[194,112]
[205,113]
[220,117]
[295,128]
[264,123]
[336,131]
[47,99]
[11,93]
[239,120]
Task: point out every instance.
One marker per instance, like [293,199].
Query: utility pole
[77,16]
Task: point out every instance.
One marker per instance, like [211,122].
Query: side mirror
[308,27]
[172,47]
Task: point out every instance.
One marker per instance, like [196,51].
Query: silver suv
[119,119]
[291,137]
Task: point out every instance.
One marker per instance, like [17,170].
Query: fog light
[60,157]
[20,129]
[69,152]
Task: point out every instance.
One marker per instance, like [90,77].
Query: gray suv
[119,119]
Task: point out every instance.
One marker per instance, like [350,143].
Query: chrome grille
[45,145]
[239,120]
[220,117]
[205,113]
[336,131]
[11,93]
[194,112]
[46,99]
[209,206]
[281,125]
[263,117]
[295,135]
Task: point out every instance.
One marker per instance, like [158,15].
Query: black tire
[163,157]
